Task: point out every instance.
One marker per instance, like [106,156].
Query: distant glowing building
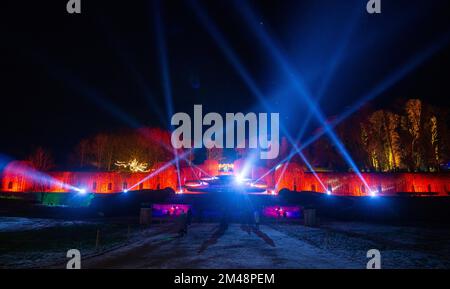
[19,177]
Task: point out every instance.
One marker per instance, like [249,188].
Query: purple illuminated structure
[282,212]
[169,210]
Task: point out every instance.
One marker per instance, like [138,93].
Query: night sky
[66,77]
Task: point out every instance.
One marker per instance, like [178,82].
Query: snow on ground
[400,246]
[16,224]
[34,243]
[332,245]
[206,246]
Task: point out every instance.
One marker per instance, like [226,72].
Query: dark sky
[66,77]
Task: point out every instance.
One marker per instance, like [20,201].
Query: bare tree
[412,123]
[81,151]
[41,159]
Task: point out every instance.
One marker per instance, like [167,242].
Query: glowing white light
[82,191]
[195,184]
[277,167]
[328,192]
[240,178]
[125,191]
[373,194]
[180,192]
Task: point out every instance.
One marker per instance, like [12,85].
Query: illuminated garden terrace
[294,178]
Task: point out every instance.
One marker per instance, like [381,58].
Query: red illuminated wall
[350,184]
[19,177]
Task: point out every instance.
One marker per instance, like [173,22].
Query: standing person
[225,211]
[224,220]
[248,218]
[256,217]
[188,218]
[182,224]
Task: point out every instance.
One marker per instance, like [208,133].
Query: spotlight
[373,194]
[328,192]
[180,192]
[82,191]
[277,167]
[239,178]
[125,191]
[271,192]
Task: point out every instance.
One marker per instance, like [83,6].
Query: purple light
[288,212]
[160,210]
